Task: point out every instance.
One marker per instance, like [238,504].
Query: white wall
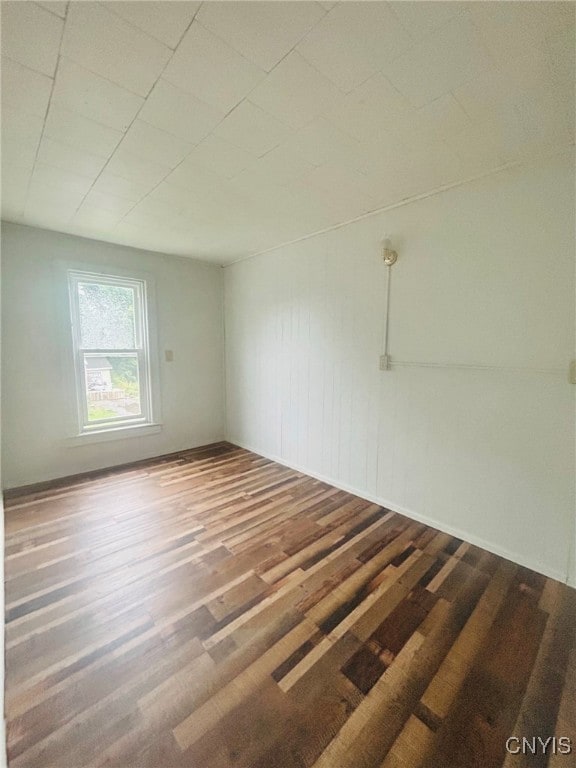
[36,407]
[485,277]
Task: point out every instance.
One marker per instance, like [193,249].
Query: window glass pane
[106,316]
[112,386]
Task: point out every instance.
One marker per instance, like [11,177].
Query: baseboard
[80,477]
[459,533]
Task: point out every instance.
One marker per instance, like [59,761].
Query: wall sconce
[388,253]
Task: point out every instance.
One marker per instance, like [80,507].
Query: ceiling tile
[54,6]
[15,180]
[262,32]
[414,169]
[76,131]
[47,212]
[367,111]
[501,86]
[95,219]
[283,95]
[341,205]
[149,143]
[166,22]
[24,89]
[221,157]
[354,41]
[177,197]
[515,29]
[279,166]
[420,18]
[151,209]
[341,184]
[21,134]
[61,180]
[117,206]
[439,119]
[211,70]
[320,142]
[148,238]
[252,129]
[117,186]
[489,143]
[31,35]
[107,45]
[69,158]
[179,113]
[193,177]
[539,116]
[442,62]
[94,97]
[136,169]
[62,203]
[386,154]
[561,53]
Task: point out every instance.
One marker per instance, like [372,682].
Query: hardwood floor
[215,609]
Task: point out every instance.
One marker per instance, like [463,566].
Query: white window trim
[101,432]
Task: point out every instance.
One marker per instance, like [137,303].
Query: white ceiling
[220,129]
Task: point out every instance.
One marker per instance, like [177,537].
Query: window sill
[118,433]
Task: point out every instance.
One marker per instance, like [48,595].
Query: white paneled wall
[473,429]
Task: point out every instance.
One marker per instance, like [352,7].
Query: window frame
[142,350]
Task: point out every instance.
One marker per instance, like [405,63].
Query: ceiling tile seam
[246,97]
[103,77]
[25,66]
[462,107]
[313,66]
[463,12]
[229,45]
[43,74]
[62,18]
[68,146]
[551,152]
[110,8]
[414,44]
[27,195]
[481,42]
[183,35]
[267,71]
[126,131]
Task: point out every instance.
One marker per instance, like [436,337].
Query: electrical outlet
[168,355]
[384,362]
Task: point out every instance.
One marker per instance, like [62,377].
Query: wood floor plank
[213,609]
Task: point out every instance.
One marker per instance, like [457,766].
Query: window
[111,351]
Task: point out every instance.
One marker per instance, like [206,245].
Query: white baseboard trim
[467,536]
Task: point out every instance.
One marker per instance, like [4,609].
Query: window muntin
[111,355]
